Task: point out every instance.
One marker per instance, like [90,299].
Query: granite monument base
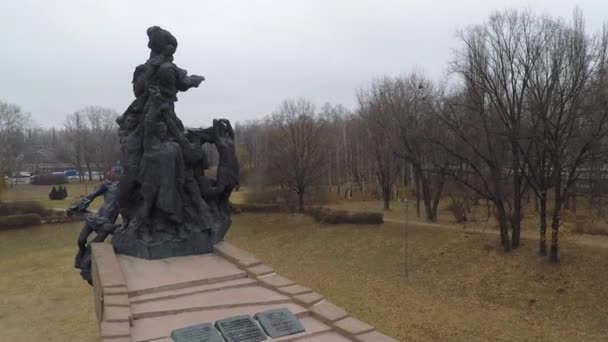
[165,246]
[163,300]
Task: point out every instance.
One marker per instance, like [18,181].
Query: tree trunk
[438,197]
[79,168]
[488,208]
[542,246]
[517,193]
[516,217]
[329,175]
[386,192]
[386,199]
[426,196]
[88,164]
[504,228]
[554,252]
[301,201]
[417,196]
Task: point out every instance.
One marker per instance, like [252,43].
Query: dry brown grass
[40,193]
[460,287]
[19,221]
[332,216]
[42,297]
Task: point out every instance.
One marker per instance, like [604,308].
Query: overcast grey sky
[59,56]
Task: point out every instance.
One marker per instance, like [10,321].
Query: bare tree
[297,147]
[13,123]
[474,141]
[76,134]
[252,141]
[377,119]
[497,60]
[578,119]
[104,145]
[409,101]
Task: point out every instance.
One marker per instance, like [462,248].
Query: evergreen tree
[54,194]
[2,184]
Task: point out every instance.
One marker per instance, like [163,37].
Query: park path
[580,239]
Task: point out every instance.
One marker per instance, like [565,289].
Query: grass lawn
[40,193]
[42,297]
[460,286]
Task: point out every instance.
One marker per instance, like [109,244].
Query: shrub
[59,193]
[329,216]
[592,227]
[53,195]
[49,180]
[21,208]
[19,221]
[458,210]
[63,192]
[259,208]
[366,218]
[320,214]
[285,197]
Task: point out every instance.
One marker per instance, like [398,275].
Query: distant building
[48,168]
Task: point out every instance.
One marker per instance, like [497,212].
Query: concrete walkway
[589,240]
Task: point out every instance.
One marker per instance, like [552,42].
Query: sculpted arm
[185,81]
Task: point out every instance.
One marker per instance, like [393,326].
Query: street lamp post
[405,270]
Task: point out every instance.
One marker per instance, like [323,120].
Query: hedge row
[320,214]
[260,208]
[23,207]
[19,221]
[60,218]
[49,180]
[329,216]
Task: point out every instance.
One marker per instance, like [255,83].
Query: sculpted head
[161,129]
[131,122]
[161,42]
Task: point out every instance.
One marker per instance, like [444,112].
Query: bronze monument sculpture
[169,207]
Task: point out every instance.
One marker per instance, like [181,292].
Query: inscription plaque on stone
[279,323]
[197,333]
[240,329]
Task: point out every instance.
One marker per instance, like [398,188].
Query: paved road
[581,239]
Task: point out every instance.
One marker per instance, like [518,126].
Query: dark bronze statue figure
[103,222]
[169,207]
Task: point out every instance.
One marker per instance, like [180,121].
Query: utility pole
[405,270]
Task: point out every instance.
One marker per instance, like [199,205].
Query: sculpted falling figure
[168,206]
[103,223]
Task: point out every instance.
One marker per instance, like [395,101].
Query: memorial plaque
[240,329]
[279,323]
[197,333]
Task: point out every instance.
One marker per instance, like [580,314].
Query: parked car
[70,173]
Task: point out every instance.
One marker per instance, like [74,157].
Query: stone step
[172,294]
[151,276]
[326,337]
[228,298]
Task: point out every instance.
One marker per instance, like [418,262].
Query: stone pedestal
[140,300]
[194,243]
